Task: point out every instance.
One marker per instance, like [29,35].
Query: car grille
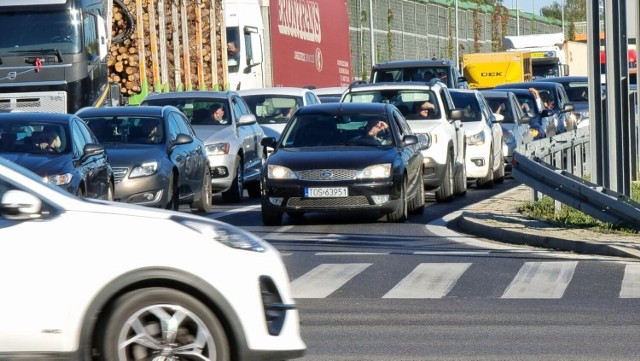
[328,202]
[119,173]
[327,174]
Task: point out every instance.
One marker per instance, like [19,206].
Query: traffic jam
[163,129]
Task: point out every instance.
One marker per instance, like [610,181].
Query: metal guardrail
[555,166]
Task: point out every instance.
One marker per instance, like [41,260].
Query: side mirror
[410,139]
[455,114]
[525,119]
[20,205]
[568,107]
[268,142]
[247,119]
[497,118]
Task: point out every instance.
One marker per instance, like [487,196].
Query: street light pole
[373,47]
[457,46]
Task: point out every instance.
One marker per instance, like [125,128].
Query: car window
[86,132]
[181,123]
[197,110]
[273,108]
[471,111]
[78,139]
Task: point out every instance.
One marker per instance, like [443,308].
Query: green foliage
[574,10]
[544,210]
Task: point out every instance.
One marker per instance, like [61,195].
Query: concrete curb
[472,225]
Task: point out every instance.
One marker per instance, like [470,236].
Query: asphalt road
[370,290]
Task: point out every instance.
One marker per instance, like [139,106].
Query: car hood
[472,127]
[210,134]
[41,164]
[127,155]
[338,157]
[424,126]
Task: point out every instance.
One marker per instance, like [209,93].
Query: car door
[460,137]
[410,154]
[194,164]
[180,155]
[250,135]
[496,128]
[94,169]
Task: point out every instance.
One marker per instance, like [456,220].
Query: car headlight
[144,170]
[378,171]
[59,179]
[535,133]
[476,139]
[226,234]
[217,149]
[280,172]
[424,140]
[508,137]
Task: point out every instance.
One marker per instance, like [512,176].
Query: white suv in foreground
[85,280]
[444,157]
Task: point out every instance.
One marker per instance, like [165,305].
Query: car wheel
[172,195]
[110,192]
[158,323]
[400,214]
[204,203]
[417,204]
[460,182]
[487,181]
[235,193]
[269,217]
[445,191]
[253,189]
[498,175]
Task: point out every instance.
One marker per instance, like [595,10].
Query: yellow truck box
[486,70]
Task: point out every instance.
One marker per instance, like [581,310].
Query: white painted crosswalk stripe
[325,279]
[631,282]
[429,280]
[541,280]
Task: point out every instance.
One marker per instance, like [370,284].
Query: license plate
[328,192]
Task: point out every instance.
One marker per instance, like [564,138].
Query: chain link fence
[413,29]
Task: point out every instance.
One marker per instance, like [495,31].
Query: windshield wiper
[53,51]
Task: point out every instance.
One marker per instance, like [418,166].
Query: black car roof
[530,84]
[147,110]
[412,63]
[565,79]
[33,116]
[504,93]
[345,108]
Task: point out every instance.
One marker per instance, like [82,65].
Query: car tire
[417,204]
[487,181]
[110,192]
[203,204]
[498,175]
[172,195]
[141,313]
[269,217]
[253,189]
[460,182]
[400,214]
[444,193]
[235,193]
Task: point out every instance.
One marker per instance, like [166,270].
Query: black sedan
[59,148]
[157,159]
[339,157]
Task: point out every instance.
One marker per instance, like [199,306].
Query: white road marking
[429,280]
[541,280]
[233,211]
[325,279]
[631,282]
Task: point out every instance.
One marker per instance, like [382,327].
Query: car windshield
[577,91]
[199,111]
[503,107]
[273,109]
[469,105]
[407,101]
[319,130]
[55,32]
[529,105]
[34,137]
[426,74]
[127,129]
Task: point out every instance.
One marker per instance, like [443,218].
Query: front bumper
[289,196]
[222,171]
[147,191]
[433,173]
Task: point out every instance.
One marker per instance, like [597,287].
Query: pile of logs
[204,71]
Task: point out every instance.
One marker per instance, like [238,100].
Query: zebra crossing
[533,280]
